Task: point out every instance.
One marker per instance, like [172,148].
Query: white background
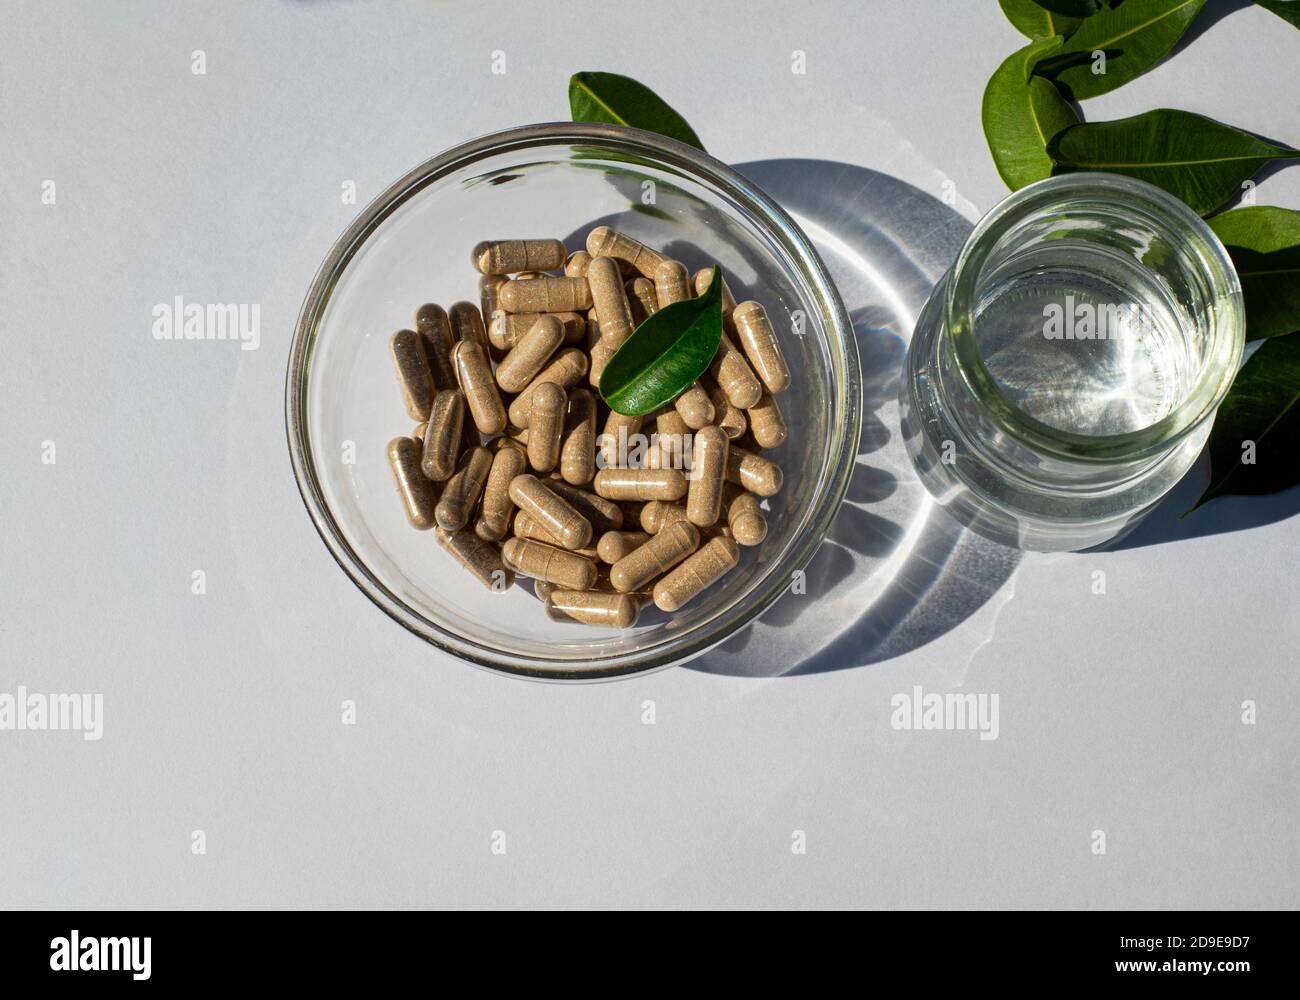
[1118,712]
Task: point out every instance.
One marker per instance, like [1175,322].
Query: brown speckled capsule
[672,284]
[744,515]
[614,439]
[657,515]
[758,339]
[566,570]
[542,589]
[767,423]
[730,418]
[528,357]
[610,300]
[657,556]
[578,447]
[589,608]
[671,438]
[754,472]
[642,298]
[482,559]
[694,407]
[708,466]
[442,438]
[640,484]
[701,571]
[600,355]
[507,329]
[545,295]
[605,242]
[545,426]
[576,265]
[614,545]
[604,515]
[419,495]
[467,324]
[510,256]
[553,512]
[494,517]
[529,527]
[474,373]
[463,489]
[413,374]
[435,328]
[565,370]
[732,373]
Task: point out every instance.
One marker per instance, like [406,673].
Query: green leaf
[1134,36]
[1192,157]
[1073,8]
[620,100]
[1263,408]
[1021,112]
[1037,22]
[1288,10]
[1265,246]
[665,354]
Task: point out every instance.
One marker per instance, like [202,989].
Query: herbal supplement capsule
[467,324]
[542,589]
[529,275]
[732,372]
[640,484]
[614,545]
[593,329]
[758,339]
[413,374]
[417,491]
[694,407]
[701,571]
[494,517]
[657,515]
[766,422]
[701,282]
[529,356]
[672,283]
[418,433]
[603,514]
[546,295]
[545,426]
[744,515]
[642,298]
[474,373]
[672,438]
[566,570]
[614,439]
[488,287]
[442,438]
[507,329]
[509,256]
[730,418]
[566,371]
[528,527]
[610,300]
[435,328]
[463,489]
[481,558]
[578,446]
[519,435]
[576,265]
[605,242]
[656,557]
[708,466]
[588,608]
[754,472]
[553,512]
[600,355]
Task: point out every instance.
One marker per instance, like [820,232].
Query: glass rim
[843,376]
[1160,207]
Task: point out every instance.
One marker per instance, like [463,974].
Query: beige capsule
[600,355]
[758,339]
[730,418]
[766,422]
[694,407]
[614,545]
[672,283]
[593,329]
[566,371]
[565,569]
[615,439]
[511,256]
[610,300]
[483,559]
[463,489]
[494,515]
[578,446]
[434,327]
[699,572]
[744,515]
[519,435]
[474,373]
[543,589]
[656,557]
[605,242]
[640,484]
[590,608]
[419,494]
[507,329]
[528,357]
[467,324]
[527,526]
[604,515]
[642,298]
[708,468]
[442,438]
[658,514]
[545,426]
[413,374]
[732,373]
[546,294]
[755,473]
[555,514]
[671,439]
[576,265]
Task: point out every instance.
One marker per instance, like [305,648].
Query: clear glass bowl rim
[844,377]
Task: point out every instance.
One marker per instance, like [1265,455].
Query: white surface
[1119,712]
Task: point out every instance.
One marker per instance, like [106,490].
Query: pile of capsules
[651,508]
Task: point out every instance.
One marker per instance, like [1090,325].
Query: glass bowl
[412,245]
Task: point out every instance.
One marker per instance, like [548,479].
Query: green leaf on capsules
[620,100]
[1265,246]
[1021,112]
[1037,22]
[665,354]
